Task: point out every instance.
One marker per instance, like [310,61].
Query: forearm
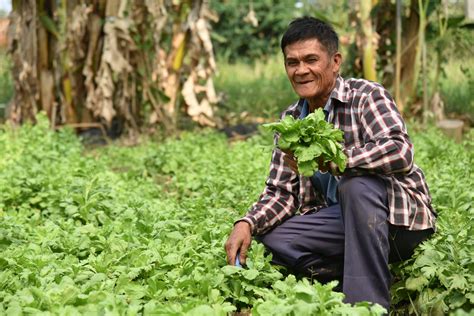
[279,198]
[270,210]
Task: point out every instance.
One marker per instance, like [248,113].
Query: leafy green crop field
[140,230]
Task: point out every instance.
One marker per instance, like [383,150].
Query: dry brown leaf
[115,30]
[211,92]
[203,33]
[114,63]
[201,112]
[77,28]
[190,97]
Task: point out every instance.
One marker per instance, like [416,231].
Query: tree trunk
[410,65]
[369,41]
[398,56]
[23,47]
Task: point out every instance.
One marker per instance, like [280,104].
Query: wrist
[243,225]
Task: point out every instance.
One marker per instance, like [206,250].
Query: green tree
[250,30]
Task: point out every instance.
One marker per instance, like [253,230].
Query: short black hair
[305,28]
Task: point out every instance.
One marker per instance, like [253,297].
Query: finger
[243,252]
[231,250]
[231,257]
[330,167]
[228,253]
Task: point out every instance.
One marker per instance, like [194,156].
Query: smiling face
[311,70]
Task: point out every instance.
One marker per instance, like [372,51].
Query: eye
[291,63]
[311,60]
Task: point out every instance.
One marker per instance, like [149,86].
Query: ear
[337,61]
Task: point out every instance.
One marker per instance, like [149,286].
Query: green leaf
[291,137]
[171,259]
[470,297]
[201,310]
[303,288]
[229,270]
[316,116]
[250,274]
[308,153]
[456,300]
[175,235]
[49,25]
[332,146]
[283,144]
[458,282]
[416,284]
[307,168]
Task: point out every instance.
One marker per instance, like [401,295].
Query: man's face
[312,70]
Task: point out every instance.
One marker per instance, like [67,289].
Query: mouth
[304,82]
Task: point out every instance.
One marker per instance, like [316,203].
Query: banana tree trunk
[369,40]
[413,44]
[24,51]
[398,55]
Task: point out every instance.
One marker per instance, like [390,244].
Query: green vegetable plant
[312,140]
[439,278]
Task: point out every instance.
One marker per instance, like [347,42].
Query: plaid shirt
[375,142]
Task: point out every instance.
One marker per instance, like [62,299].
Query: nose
[301,69]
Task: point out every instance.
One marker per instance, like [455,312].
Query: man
[352,224]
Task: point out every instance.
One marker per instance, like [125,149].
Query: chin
[305,95]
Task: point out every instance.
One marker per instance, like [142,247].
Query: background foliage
[235,38]
[449,40]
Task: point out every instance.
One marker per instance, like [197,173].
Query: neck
[316,104]
[320,102]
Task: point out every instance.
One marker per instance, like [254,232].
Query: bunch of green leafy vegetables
[312,140]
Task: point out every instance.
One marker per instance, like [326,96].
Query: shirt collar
[338,92]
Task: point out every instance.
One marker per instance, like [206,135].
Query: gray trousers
[352,242]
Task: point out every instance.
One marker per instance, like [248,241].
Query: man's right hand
[239,241]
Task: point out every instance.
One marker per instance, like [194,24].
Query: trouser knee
[362,195]
[359,187]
